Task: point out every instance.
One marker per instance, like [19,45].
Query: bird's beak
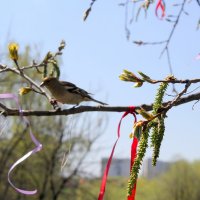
[42,84]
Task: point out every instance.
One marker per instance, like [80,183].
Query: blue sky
[97,51]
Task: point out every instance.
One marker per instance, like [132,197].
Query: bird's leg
[100,106]
[55,105]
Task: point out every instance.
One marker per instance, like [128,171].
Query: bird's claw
[55,105]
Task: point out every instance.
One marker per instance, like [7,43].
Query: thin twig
[169,61]
[174,27]
[126,21]
[139,43]
[178,97]
[32,82]
[167,41]
[87,12]
[32,66]
[170,69]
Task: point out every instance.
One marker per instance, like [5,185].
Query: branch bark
[81,109]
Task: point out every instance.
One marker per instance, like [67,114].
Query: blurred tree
[180,182]
[65,139]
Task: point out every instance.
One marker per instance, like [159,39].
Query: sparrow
[66,92]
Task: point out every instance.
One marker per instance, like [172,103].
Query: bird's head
[48,81]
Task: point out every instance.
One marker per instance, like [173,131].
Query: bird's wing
[68,85]
[74,89]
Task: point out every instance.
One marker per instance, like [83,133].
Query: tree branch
[81,109]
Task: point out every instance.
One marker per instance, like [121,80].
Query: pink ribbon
[198,57]
[35,141]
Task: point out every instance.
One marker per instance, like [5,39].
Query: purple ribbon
[35,141]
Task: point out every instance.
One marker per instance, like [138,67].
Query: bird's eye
[47,81]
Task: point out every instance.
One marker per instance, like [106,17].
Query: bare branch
[167,41]
[81,109]
[31,81]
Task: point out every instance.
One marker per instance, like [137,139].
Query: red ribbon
[160,5]
[133,152]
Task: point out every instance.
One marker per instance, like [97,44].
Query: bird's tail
[102,103]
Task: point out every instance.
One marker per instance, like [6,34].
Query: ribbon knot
[131,109]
